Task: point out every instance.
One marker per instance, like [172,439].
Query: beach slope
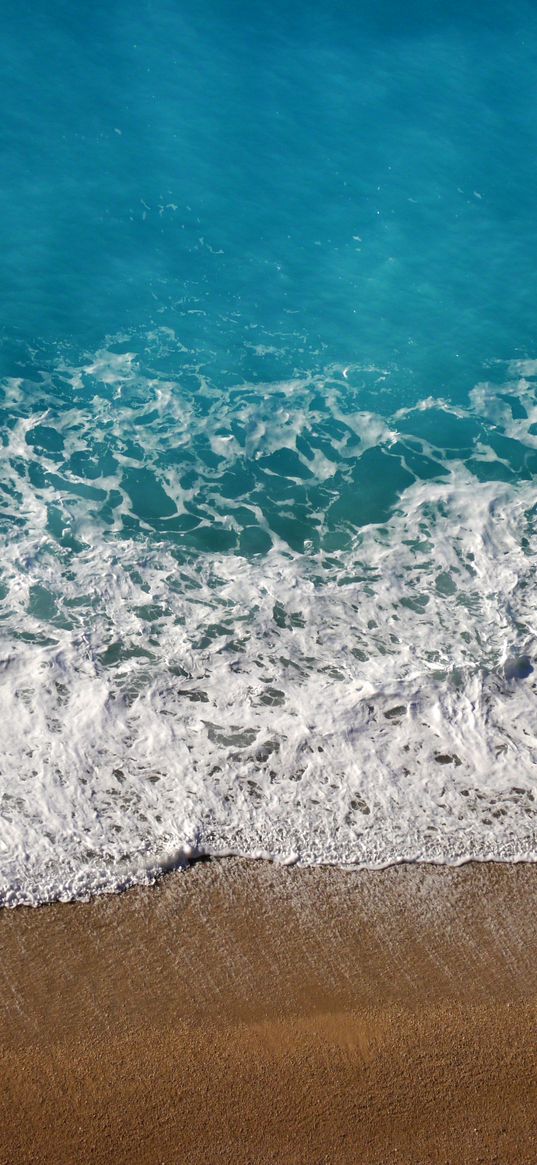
[247,1013]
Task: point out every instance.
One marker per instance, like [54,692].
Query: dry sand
[244,1013]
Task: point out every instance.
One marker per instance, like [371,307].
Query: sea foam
[221,633]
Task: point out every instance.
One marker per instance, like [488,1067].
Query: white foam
[362,706]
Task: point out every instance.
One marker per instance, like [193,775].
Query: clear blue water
[269,434]
[223,159]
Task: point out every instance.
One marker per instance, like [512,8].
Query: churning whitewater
[268,622]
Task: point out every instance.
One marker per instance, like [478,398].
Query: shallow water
[269,437]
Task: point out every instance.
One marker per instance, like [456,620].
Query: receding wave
[275,620]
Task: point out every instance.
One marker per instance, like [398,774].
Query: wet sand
[244,1013]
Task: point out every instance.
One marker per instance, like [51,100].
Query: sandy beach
[244,1013]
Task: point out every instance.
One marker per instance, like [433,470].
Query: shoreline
[186,860]
[239,1011]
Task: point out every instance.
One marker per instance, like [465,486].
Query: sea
[268,420]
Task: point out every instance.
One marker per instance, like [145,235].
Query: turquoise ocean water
[268,409]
